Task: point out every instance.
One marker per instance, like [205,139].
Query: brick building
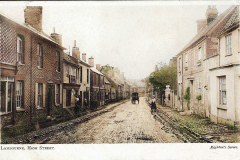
[71,83]
[76,79]
[107,90]
[85,82]
[97,86]
[31,69]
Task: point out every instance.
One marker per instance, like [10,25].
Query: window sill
[223,107]
[58,71]
[39,68]
[228,55]
[4,113]
[21,64]
[20,109]
[69,107]
[39,108]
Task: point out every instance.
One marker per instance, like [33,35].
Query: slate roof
[70,59]
[96,71]
[233,21]
[33,30]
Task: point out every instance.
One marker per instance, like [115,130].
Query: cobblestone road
[127,123]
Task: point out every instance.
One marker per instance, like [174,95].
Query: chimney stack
[211,14]
[75,51]
[84,57]
[98,67]
[201,23]
[91,61]
[33,17]
[57,37]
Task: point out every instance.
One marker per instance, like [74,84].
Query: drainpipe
[182,84]
[218,66]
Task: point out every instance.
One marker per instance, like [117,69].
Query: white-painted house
[224,75]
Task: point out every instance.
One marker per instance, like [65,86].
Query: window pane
[224,97]
[3,96]
[222,91]
[40,91]
[19,95]
[10,96]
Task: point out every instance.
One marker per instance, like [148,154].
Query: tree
[105,69]
[165,75]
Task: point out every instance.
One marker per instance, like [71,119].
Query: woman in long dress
[153,104]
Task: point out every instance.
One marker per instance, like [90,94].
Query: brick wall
[8,38]
[7,41]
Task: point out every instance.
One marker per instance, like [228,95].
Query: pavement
[202,126]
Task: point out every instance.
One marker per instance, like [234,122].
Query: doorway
[50,95]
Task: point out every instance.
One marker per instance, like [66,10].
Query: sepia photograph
[155,75]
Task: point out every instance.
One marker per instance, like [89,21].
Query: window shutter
[44,95]
[36,94]
[60,93]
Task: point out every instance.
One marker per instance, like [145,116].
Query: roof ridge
[204,31]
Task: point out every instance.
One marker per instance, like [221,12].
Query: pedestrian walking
[77,104]
[85,104]
[153,104]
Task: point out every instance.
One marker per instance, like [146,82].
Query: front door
[50,97]
[191,94]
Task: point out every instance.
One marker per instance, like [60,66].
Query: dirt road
[127,123]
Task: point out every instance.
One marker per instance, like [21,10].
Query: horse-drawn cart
[135,97]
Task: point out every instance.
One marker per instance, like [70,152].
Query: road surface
[127,123]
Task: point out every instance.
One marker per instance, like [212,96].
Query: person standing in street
[153,104]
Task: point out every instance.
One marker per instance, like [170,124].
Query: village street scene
[94,74]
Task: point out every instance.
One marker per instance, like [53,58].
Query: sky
[133,36]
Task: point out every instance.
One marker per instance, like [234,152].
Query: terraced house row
[208,68]
[39,80]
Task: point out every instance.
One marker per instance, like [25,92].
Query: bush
[187,96]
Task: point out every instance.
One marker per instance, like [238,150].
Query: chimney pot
[91,61]
[211,13]
[84,57]
[98,67]
[57,37]
[75,51]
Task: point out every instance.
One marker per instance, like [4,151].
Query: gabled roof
[33,30]
[232,22]
[96,71]
[84,63]
[69,59]
[209,29]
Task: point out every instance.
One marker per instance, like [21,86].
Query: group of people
[78,104]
